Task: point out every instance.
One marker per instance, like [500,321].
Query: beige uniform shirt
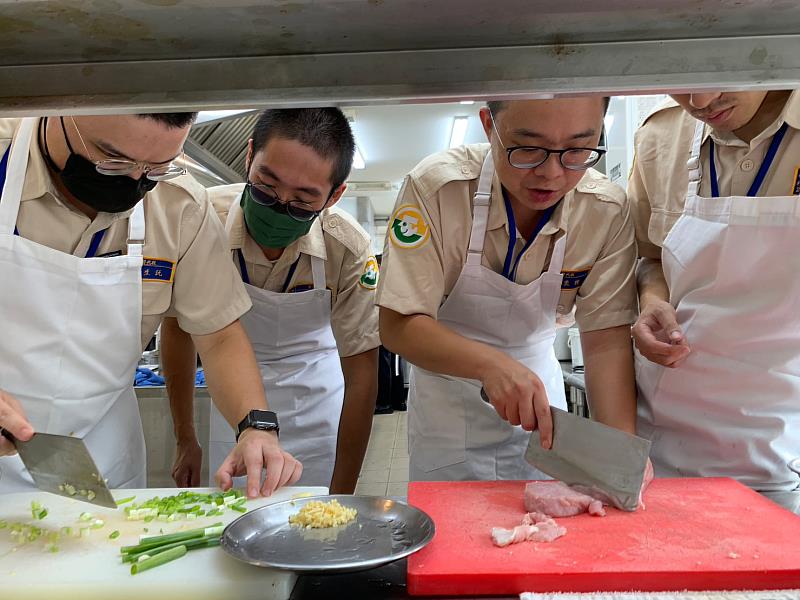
[351,272]
[659,178]
[420,271]
[187,272]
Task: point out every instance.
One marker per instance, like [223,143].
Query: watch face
[262,419]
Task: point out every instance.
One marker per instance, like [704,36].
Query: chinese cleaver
[62,465]
[593,458]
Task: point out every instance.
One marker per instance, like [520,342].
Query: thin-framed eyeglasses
[530,157]
[266,195]
[124,166]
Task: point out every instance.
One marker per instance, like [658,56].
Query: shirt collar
[38,180]
[789,115]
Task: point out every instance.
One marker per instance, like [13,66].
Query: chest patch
[158,269]
[574,279]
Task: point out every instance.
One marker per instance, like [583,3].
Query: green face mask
[271,226]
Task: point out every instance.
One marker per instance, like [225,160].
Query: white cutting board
[89,568]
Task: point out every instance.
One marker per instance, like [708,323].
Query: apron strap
[557,258]
[15,176]
[136,230]
[480,211]
[318,273]
[693,164]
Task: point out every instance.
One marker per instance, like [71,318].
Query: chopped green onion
[239,508]
[97,524]
[113,535]
[126,500]
[85,517]
[38,511]
[90,495]
[158,560]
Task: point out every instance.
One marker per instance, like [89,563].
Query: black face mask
[103,193]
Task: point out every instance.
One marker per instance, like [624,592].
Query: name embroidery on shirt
[306,287]
[369,279]
[158,269]
[574,279]
[303,287]
[796,186]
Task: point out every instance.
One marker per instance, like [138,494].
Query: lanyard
[97,238]
[509,269]
[246,278]
[762,172]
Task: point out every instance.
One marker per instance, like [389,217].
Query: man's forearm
[232,374]
[610,382]
[178,363]
[360,390]
[427,343]
[651,282]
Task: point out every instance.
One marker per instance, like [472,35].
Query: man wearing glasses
[489,246]
[309,270]
[101,235]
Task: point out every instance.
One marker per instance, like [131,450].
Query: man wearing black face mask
[309,270]
[101,235]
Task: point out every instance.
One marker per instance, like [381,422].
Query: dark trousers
[392,391]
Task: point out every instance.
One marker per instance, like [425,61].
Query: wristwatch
[265,420]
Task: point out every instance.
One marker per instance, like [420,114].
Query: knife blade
[593,458]
[62,465]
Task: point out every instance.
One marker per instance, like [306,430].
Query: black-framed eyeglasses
[266,195]
[530,157]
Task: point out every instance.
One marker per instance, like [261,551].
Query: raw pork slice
[557,499]
[505,537]
[531,530]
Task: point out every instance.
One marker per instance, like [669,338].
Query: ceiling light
[459,131]
[467,102]
[358,160]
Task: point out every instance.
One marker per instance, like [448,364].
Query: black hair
[495,106]
[324,130]
[172,120]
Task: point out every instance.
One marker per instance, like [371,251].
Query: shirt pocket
[156,297]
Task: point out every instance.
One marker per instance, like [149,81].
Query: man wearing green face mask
[308,269]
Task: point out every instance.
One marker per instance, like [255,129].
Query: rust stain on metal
[559,47]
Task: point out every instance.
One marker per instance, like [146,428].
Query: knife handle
[8,435]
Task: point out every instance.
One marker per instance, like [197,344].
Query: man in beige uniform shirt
[718,373]
[101,235]
[472,301]
[314,325]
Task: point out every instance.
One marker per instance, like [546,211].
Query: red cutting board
[696,534]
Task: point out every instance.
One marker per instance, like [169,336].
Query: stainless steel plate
[384,530]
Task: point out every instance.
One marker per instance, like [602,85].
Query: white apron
[732,409]
[301,370]
[71,339]
[452,433]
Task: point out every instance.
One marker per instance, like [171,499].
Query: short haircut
[172,120]
[496,106]
[324,130]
